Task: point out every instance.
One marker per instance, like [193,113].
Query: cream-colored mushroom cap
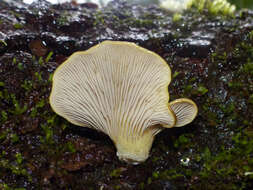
[120,89]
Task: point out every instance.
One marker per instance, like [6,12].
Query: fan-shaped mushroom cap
[185,110]
[120,89]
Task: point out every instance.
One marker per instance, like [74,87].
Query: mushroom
[120,89]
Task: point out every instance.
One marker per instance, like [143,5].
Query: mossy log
[211,57]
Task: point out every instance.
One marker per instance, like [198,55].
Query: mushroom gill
[120,89]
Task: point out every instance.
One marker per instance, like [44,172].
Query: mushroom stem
[134,150]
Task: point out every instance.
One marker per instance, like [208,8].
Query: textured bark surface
[211,57]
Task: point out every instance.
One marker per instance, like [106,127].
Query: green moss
[188,89]
[201,90]
[3,135]
[18,26]
[20,66]
[14,61]
[5,95]
[251,35]
[214,7]
[70,147]
[4,116]
[15,14]
[50,79]
[183,140]
[142,186]
[247,68]
[175,74]
[48,139]
[149,181]
[63,18]
[27,85]
[3,42]
[233,166]
[155,159]
[228,164]
[33,112]
[5,186]
[155,174]
[221,6]
[14,138]
[40,104]
[176,17]
[16,168]
[117,187]
[250,100]
[235,84]
[40,61]
[19,158]
[192,88]
[228,108]
[172,174]
[99,18]
[38,76]
[49,56]
[116,172]
[52,119]
[18,108]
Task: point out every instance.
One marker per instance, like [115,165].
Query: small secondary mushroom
[120,89]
